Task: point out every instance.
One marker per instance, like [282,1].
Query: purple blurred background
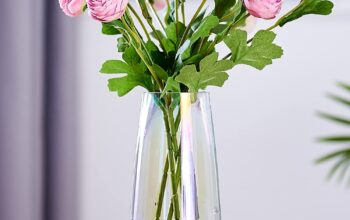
[37,112]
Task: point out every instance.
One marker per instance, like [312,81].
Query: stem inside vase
[173,159]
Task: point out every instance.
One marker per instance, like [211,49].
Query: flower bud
[266,9]
[107,10]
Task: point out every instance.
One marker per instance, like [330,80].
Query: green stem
[140,53]
[178,176]
[149,21]
[140,21]
[171,158]
[183,11]
[177,16]
[158,18]
[167,12]
[188,28]
[162,188]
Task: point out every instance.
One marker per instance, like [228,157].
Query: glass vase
[176,173]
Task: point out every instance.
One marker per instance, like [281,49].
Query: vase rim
[200,92]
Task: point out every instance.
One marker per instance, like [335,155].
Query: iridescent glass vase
[176,175]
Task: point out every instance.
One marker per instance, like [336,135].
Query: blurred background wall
[67,145]
[265,123]
[38,111]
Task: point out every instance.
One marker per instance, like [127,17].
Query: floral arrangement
[179,55]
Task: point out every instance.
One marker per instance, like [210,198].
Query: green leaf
[168,45]
[334,118]
[330,156]
[161,73]
[122,44]
[115,66]
[339,99]
[222,6]
[336,139]
[130,56]
[135,71]
[343,163]
[234,13]
[204,30]
[171,34]
[305,7]
[171,86]
[259,54]
[344,86]
[122,85]
[198,20]
[85,7]
[157,56]
[157,32]
[109,29]
[211,73]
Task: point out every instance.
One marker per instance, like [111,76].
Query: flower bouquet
[173,56]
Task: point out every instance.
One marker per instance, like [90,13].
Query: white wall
[265,128]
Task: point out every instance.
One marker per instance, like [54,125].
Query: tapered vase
[176,174]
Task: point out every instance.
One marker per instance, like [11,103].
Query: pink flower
[266,9]
[106,10]
[159,4]
[72,8]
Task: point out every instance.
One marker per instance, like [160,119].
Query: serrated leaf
[115,66]
[130,56]
[305,7]
[261,52]
[135,73]
[122,85]
[211,73]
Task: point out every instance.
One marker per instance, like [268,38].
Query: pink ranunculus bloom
[159,4]
[266,9]
[72,8]
[107,10]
